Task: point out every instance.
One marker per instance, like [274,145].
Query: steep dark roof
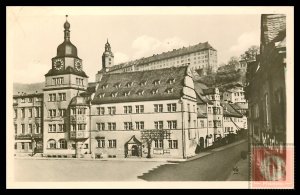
[142,87]
[68,70]
[239,106]
[229,111]
[165,55]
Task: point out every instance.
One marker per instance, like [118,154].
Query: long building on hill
[201,57]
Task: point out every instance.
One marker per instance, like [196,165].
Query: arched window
[62,143]
[51,143]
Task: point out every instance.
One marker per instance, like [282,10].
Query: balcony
[79,135]
[78,118]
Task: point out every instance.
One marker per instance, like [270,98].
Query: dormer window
[171,81]
[127,93]
[114,94]
[154,91]
[101,95]
[104,86]
[170,90]
[156,82]
[143,83]
[140,92]
[117,85]
[129,84]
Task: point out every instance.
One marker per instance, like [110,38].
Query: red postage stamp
[272,167]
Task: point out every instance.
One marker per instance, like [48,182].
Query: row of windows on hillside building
[30,128]
[37,112]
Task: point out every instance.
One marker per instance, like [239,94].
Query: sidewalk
[168,160]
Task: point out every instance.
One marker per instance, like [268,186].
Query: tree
[154,134]
[234,61]
[251,53]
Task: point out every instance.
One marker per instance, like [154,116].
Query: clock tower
[65,80]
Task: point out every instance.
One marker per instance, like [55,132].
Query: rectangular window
[101,143]
[173,144]
[171,107]
[172,124]
[158,143]
[23,146]
[139,125]
[100,110]
[30,100]
[209,110]
[111,126]
[112,143]
[37,111]
[81,127]
[73,127]
[22,100]
[16,129]
[112,110]
[73,111]
[158,108]
[23,112]
[52,112]
[29,128]
[61,96]
[158,124]
[51,128]
[127,109]
[52,97]
[139,108]
[30,113]
[128,125]
[61,128]
[23,128]
[100,126]
[37,128]
[62,112]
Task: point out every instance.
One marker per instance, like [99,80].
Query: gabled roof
[68,70]
[229,111]
[165,55]
[133,140]
[151,91]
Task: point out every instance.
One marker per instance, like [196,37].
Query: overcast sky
[34,34]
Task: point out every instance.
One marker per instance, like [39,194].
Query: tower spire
[67,29]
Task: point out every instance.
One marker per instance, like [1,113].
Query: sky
[33,34]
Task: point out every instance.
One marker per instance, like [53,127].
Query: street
[216,166]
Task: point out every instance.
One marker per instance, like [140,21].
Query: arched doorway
[133,148]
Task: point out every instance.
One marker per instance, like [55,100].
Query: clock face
[58,64]
[78,65]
